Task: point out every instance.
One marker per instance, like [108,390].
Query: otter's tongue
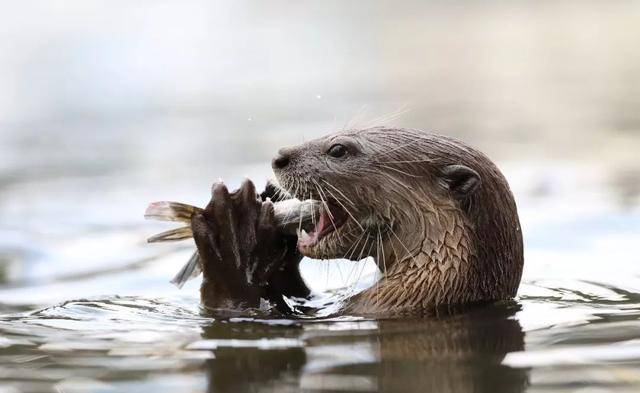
[309,239]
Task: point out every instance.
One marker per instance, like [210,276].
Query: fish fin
[172,235]
[170,211]
[190,270]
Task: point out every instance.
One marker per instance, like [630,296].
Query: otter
[436,215]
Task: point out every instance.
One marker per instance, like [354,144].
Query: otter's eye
[337,150]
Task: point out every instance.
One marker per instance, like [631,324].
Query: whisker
[405,161]
[401,184]
[351,123]
[339,236]
[377,289]
[364,264]
[380,120]
[402,244]
[343,206]
[340,192]
[359,259]
[407,145]
[384,261]
[350,252]
[399,171]
[326,205]
[300,214]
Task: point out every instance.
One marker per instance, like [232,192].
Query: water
[104,110]
[137,344]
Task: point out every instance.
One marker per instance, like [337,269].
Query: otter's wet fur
[437,216]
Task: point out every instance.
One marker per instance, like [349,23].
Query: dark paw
[245,256]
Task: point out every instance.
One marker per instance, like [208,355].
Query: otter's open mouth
[331,216]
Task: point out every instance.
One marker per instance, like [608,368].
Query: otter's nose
[280,161]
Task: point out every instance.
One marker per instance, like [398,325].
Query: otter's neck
[438,270]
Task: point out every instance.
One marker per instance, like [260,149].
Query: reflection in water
[463,354]
[250,356]
[460,353]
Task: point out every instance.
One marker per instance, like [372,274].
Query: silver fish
[289,214]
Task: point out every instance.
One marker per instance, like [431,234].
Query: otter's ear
[461,180]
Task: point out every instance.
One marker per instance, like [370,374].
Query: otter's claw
[243,252]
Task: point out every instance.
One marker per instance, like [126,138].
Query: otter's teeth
[303,236]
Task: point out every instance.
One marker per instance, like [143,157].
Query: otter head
[411,200]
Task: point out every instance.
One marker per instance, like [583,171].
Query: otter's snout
[279,162]
[282,159]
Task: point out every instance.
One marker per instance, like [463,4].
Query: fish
[290,215]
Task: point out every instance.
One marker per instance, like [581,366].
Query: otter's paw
[242,249]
